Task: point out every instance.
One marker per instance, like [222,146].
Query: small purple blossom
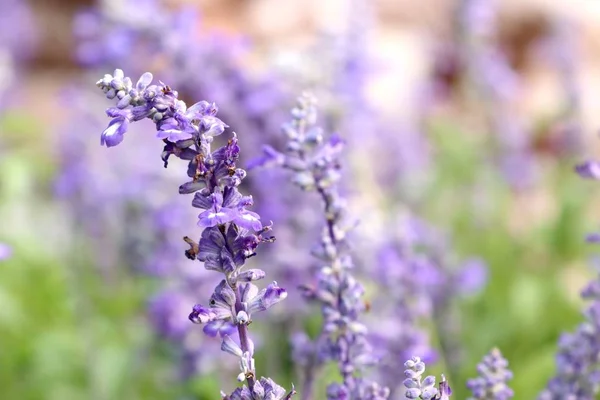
[418,387]
[497,86]
[491,384]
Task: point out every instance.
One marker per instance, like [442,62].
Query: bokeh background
[468,115]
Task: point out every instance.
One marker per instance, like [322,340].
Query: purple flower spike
[491,384]
[315,166]
[231,233]
[577,368]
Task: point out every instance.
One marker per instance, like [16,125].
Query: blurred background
[463,118]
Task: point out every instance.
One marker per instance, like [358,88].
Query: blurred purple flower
[588,170]
[5,252]
[314,165]
[491,383]
[497,85]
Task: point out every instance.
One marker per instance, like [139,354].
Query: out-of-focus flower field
[450,132]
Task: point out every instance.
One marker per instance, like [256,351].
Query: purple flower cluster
[578,355]
[491,384]
[231,233]
[423,389]
[577,359]
[315,164]
[111,33]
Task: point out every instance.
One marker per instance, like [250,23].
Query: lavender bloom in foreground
[231,233]
[423,389]
[315,164]
[577,360]
[491,384]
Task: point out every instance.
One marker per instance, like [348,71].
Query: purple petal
[589,170]
[201,314]
[270,157]
[220,327]
[144,81]
[248,220]
[114,133]
[173,135]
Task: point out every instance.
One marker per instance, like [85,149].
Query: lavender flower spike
[314,163]
[577,359]
[231,233]
[423,389]
[491,382]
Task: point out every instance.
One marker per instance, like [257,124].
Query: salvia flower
[577,359]
[231,233]
[419,387]
[491,384]
[314,162]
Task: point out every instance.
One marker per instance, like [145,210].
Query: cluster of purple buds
[418,387]
[175,123]
[491,384]
[315,164]
[231,233]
